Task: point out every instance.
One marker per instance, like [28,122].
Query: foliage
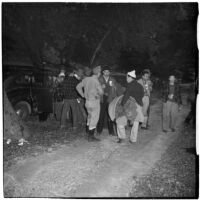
[140,35]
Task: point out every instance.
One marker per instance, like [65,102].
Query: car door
[42,94]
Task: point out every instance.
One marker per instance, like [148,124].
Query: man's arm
[79,88]
[99,89]
[119,89]
[150,85]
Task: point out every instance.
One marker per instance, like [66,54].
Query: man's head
[106,71]
[61,76]
[79,73]
[172,78]
[146,74]
[130,76]
[87,71]
[97,70]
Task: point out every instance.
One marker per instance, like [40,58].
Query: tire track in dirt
[84,169]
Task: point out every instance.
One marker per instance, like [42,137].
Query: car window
[121,79]
[23,79]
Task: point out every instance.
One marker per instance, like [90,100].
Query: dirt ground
[63,164]
[175,175]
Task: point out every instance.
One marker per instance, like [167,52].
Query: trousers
[145,108]
[93,111]
[170,113]
[104,116]
[58,110]
[121,123]
[73,104]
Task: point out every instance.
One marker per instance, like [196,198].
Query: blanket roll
[130,109]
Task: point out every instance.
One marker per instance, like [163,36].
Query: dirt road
[84,169]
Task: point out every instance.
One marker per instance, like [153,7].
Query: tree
[14,128]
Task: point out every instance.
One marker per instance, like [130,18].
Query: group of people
[99,98]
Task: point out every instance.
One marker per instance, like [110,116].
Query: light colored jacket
[92,88]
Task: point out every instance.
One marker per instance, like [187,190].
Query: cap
[106,68]
[132,74]
[62,73]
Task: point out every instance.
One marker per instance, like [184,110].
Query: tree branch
[99,46]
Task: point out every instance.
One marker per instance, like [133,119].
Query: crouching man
[90,89]
[130,108]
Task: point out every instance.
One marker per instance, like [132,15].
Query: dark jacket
[177,93]
[69,88]
[58,92]
[108,88]
[135,90]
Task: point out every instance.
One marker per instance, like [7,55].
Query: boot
[111,127]
[87,131]
[91,137]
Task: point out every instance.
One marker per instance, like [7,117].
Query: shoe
[87,130]
[119,140]
[74,129]
[91,137]
[63,127]
[132,142]
[98,133]
[144,128]
[167,130]
[111,133]
[173,130]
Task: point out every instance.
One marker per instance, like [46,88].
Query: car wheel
[22,109]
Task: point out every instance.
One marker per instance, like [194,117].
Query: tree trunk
[14,128]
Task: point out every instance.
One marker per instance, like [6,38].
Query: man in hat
[171,104]
[107,83]
[147,86]
[90,89]
[135,91]
[71,98]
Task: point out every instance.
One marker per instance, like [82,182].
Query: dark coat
[111,91]
[177,93]
[135,90]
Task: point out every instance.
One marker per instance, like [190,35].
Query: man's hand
[103,86]
[170,96]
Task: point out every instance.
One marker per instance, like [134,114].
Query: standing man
[134,91]
[58,95]
[147,86]
[90,89]
[106,82]
[71,98]
[171,104]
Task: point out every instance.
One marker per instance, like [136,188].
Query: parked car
[29,93]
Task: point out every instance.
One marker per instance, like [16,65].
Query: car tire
[23,109]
